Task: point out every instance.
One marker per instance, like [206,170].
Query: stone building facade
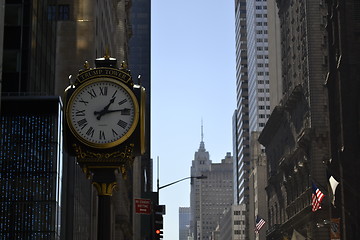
[296,135]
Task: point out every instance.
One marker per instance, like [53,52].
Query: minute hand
[125,111]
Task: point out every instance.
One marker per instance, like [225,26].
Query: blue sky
[193,79]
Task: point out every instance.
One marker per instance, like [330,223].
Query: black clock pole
[105,181]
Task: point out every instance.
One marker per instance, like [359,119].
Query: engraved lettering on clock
[82,123]
[103,91]
[90,131]
[123,101]
[80,113]
[92,93]
[83,101]
[102,135]
[122,124]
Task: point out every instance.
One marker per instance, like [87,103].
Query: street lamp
[196,177]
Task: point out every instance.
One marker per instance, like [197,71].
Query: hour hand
[105,109]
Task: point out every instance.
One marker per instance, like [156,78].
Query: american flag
[316,198]
[259,223]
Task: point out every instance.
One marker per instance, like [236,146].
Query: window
[64,12]
[52,12]
[58,12]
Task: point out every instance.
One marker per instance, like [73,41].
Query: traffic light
[159,211]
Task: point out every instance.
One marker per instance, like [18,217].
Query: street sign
[142,206]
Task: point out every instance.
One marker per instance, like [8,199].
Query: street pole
[196,177]
[104,181]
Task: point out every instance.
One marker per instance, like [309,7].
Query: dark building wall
[29,47]
[30,168]
[343,84]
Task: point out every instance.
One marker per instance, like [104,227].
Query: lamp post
[191,177]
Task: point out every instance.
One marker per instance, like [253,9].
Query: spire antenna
[202,130]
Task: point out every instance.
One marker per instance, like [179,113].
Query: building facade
[210,196]
[343,84]
[257,185]
[31,168]
[241,117]
[296,136]
[200,164]
[184,223]
[253,19]
[232,224]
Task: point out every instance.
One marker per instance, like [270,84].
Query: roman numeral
[123,101]
[82,123]
[126,111]
[84,102]
[80,113]
[122,124]
[103,91]
[102,135]
[92,93]
[114,133]
[90,131]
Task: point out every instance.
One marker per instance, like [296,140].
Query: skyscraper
[29,48]
[31,168]
[184,223]
[241,116]
[31,141]
[253,92]
[209,197]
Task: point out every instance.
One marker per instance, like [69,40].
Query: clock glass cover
[102,113]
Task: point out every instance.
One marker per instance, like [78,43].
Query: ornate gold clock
[102,112]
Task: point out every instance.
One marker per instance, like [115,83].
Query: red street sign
[142,206]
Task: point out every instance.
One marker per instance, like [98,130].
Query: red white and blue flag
[259,223]
[316,198]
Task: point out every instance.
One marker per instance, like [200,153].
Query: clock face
[102,113]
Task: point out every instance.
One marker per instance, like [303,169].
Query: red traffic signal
[158,234]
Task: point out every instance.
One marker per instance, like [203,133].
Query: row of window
[262,107]
[59,12]
[263,64]
[262,56]
[263,73]
[263,81]
[261,90]
[261,40]
[261,31]
[262,48]
[261,23]
[259,15]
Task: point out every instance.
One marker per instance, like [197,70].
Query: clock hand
[125,111]
[102,112]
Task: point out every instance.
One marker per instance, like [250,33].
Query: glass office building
[30,168]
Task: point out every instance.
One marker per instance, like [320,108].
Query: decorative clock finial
[86,65]
[123,65]
[107,55]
